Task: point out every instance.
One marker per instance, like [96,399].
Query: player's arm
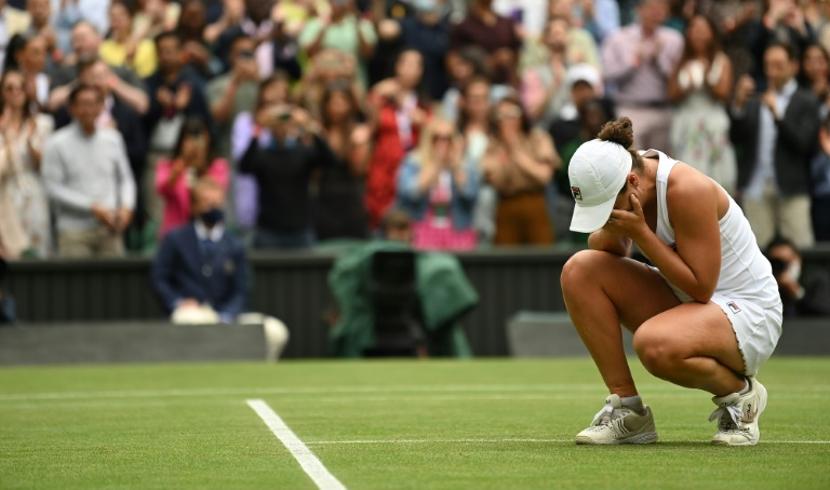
[610,242]
[695,265]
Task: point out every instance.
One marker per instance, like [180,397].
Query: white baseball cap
[597,172]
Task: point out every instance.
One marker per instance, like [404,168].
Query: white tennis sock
[633,402]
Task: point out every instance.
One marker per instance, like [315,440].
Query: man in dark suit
[200,271]
[776,134]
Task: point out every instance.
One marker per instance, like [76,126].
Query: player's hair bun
[618,131]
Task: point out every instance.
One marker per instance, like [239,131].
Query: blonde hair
[424,152]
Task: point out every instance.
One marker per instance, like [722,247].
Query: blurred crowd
[311,121]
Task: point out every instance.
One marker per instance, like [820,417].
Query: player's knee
[656,351]
[578,269]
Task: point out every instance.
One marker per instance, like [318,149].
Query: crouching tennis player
[706,315]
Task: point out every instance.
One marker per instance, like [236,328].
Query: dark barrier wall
[293,287]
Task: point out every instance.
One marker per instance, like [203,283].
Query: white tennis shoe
[616,424]
[738,415]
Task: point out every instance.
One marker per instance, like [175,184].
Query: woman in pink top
[191,161]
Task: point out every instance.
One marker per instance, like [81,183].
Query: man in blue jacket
[200,271]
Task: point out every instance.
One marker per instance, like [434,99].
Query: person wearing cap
[705,315]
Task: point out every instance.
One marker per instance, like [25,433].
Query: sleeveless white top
[744,271]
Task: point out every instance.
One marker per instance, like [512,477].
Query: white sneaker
[615,424]
[738,416]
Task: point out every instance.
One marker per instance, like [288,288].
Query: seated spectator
[702,84]
[338,207]
[200,266]
[233,92]
[820,182]
[88,178]
[804,292]
[776,132]
[343,30]
[192,161]
[285,168]
[272,91]
[495,34]
[396,226]
[24,206]
[815,75]
[15,22]
[398,113]
[519,164]
[437,187]
[123,48]
[638,61]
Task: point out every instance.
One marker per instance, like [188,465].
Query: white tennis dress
[746,289]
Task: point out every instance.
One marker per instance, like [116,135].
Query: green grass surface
[497,424]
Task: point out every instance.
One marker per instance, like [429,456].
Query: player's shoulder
[689,185]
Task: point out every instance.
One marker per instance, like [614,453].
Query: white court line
[309,462]
[494,441]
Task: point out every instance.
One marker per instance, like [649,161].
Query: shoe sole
[644,438]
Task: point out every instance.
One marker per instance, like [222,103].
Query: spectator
[815,75]
[154,17]
[804,292]
[519,164]
[339,211]
[776,132]
[495,34]
[344,30]
[272,91]
[27,53]
[24,207]
[285,168]
[783,22]
[702,84]
[820,179]
[329,66]
[123,48]
[280,50]
[14,21]
[85,46]
[428,32]
[437,187]
[396,226]
[398,114]
[600,17]
[638,61]
[561,44]
[191,34]
[200,267]
[40,11]
[192,161]
[462,66]
[88,177]
[529,16]
[233,92]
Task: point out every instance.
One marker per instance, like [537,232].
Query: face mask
[794,270]
[212,217]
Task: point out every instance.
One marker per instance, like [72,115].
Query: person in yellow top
[123,48]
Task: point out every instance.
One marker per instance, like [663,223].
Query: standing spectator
[27,53]
[12,21]
[192,160]
[279,51]
[40,12]
[783,22]
[123,48]
[233,92]
[776,133]
[437,187]
[154,17]
[342,29]
[428,32]
[329,66]
[638,61]
[283,171]
[495,34]
[70,12]
[804,293]
[339,211]
[200,266]
[191,34]
[24,207]
[88,177]
[702,85]
[462,66]
[519,164]
[820,179]
[398,113]
[272,91]
[815,75]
